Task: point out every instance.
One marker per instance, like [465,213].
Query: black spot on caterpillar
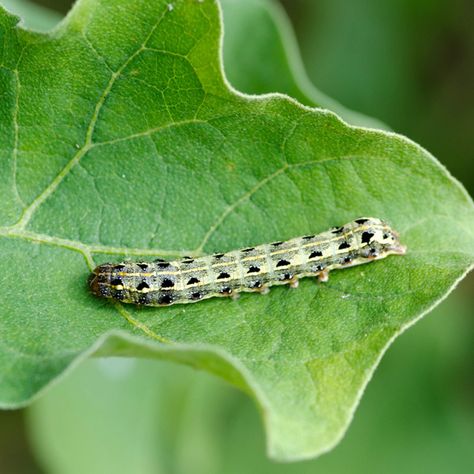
[253,269]
[161,283]
[366,236]
[164,300]
[250,249]
[142,286]
[167,283]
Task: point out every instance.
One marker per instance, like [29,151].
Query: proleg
[251,269]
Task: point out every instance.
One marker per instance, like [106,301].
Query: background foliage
[415,97]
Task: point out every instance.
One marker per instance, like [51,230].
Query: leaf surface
[201,425]
[120,138]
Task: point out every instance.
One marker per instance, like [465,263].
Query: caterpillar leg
[264,290]
[323,276]
[235,296]
[294,282]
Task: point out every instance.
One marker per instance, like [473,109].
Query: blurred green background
[409,63]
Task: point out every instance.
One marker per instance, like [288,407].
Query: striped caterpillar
[253,269]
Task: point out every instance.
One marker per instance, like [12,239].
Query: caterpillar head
[376,238]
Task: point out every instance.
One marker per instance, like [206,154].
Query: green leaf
[261,55]
[202,426]
[171,428]
[32,15]
[121,138]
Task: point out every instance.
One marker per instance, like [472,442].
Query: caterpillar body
[252,269]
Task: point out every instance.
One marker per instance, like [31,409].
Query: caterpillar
[252,269]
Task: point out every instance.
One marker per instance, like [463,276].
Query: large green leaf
[200,425]
[260,52]
[120,138]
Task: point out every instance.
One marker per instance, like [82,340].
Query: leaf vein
[247,195]
[41,198]
[141,326]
